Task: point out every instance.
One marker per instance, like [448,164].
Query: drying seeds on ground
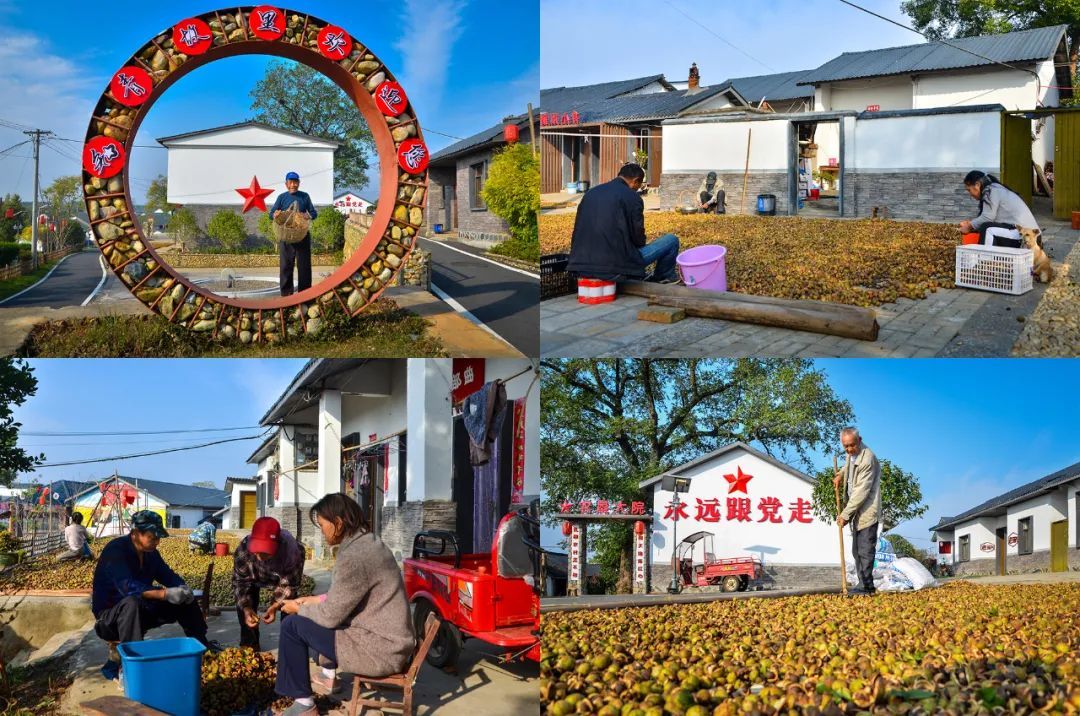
[863,262]
[960,648]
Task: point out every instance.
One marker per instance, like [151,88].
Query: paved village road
[70,283]
[504,299]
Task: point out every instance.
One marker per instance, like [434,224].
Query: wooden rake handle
[840,530]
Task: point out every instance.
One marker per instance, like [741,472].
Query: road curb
[40,281]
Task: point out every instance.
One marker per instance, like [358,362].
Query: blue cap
[292,175]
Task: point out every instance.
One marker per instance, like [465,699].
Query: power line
[14,146]
[717,36]
[79,434]
[116,458]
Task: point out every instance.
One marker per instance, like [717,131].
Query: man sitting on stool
[125,600]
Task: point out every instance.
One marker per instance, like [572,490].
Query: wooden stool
[403,682]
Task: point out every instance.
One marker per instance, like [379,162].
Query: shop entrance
[817,162]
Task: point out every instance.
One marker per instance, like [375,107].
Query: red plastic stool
[592,290]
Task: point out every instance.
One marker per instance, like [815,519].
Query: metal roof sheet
[776,87]
[567,99]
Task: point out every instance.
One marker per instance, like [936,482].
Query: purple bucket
[704,267]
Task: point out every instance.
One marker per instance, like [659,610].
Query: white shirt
[75,535]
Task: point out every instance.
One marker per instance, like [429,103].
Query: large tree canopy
[608,424]
[901,496]
[294,96]
[17,383]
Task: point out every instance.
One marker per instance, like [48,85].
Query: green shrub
[183,226]
[328,231]
[512,191]
[9,253]
[228,228]
[265,229]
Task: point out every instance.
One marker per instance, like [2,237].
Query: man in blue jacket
[298,254]
[609,240]
[126,600]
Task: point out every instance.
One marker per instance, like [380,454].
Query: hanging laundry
[484,412]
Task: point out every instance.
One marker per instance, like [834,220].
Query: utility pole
[36,135]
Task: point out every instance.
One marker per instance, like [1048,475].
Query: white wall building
[1035,527]
[387,433]
[350,203]
[207,166]
[755,506]
[180,506]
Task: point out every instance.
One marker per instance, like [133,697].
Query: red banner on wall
[518,473]
[467,378]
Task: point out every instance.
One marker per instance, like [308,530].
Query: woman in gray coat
[361,626]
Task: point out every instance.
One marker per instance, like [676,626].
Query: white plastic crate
[994,268]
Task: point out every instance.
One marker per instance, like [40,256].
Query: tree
[183,226]
[205,483]
[903,548]
[901,496]
[228,228]
[941,19]
[608,424]
[11,228]
[294,96]
[17,383]
[157,196]
[328,231]
[64,200]
[512,190]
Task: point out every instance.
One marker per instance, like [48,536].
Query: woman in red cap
[362,625]
[268,558]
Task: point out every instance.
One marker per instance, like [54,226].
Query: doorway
[449,204]
[364,479]
[1059,546]
[248,506]
[816,167]
[1000,551]
[496,498]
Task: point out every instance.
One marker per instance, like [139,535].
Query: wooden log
[118,706]
[834,319]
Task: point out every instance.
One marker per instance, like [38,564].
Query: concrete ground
[481,687]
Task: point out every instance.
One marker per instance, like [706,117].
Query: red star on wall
[737,483]
[254,196]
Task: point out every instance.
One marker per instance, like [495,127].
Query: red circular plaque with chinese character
[103,157]
[131,86]
[192,36]
[267,22]
[334,42]
[391,98]
[412,156]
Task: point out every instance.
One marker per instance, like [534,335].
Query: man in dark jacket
[125,600]
[609,234]
[298,254]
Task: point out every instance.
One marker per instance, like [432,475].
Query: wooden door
[656,156]
[1059,543]
[1066,163]
[1016,155]
[247,510]
[1000,551]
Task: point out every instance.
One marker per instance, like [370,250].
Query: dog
[1042,270]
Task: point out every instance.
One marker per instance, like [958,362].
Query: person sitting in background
[202,538]
[711,195]
[1001,212]
[609,240]
[125,599]
[268,558]
[361,626]
[77,539]
[1048,172]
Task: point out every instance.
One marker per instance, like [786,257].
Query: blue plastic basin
[164,674]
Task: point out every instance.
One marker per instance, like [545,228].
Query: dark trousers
[999,241]
[864,548]
[132,617]
[716,204]
[250,636]
[299,637]
[298,254]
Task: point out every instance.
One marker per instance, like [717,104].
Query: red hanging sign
[517,490]
[413,156]
[873,108]
[601,507]
[267,22]
[467,378]
[390,98]
[192,36]
[103,157]
[334,42]
[131,86]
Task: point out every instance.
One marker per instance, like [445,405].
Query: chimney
[695,77]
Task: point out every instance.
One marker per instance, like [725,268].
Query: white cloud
[429,33]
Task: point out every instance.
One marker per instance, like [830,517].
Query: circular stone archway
[265,30]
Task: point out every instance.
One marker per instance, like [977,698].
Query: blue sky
[969,430]
[608,40]
[465,64]
[91,395]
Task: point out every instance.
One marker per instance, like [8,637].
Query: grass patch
[517,248]
[13,285]
[37,690]
[383,331]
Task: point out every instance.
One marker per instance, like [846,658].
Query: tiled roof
[996,505]
[492,134]
[175,495]
[566,99]
[777,87]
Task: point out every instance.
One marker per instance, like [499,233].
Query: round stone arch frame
[363,275]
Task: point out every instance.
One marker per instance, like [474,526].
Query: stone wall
[416,271]
[299,526]
[776,577]
[435,211]
[470,219]
[681,190]
[1038,561]
[929,196]
[400,523]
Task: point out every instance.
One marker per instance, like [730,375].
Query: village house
[1033,528]
[390,433]
[207,166]
[240,508]
[456,178]
[180,506]
[351,203]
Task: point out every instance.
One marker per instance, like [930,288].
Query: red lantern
[639,528]
[9,214]
[567,528]
[127,494]
[510,133]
